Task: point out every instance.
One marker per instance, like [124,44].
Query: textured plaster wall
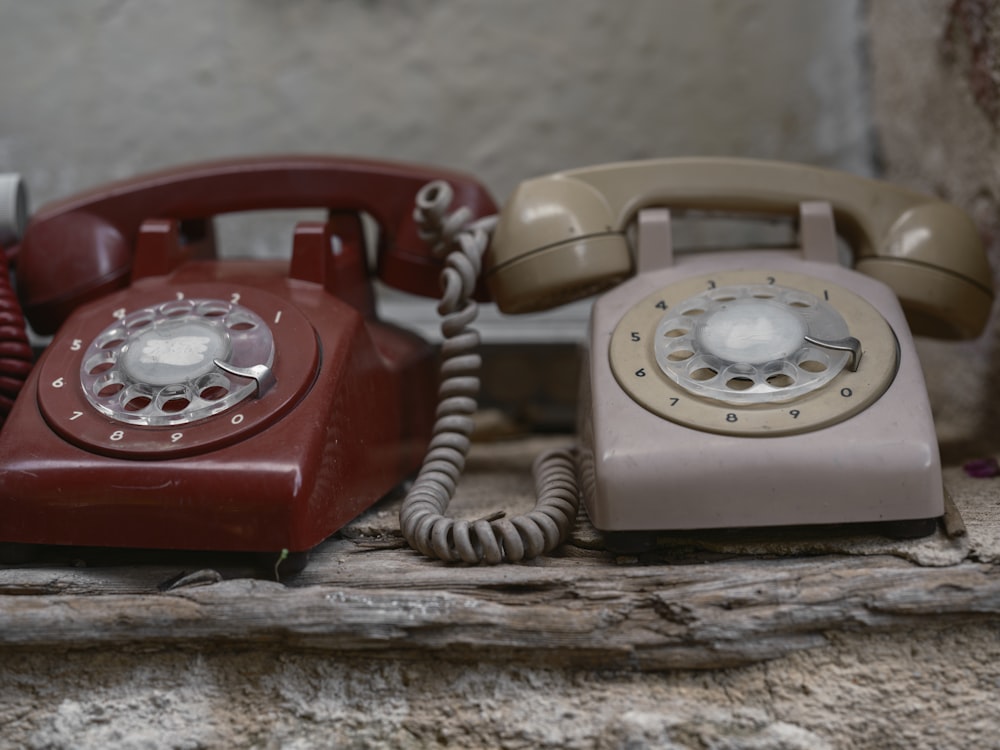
[98,89]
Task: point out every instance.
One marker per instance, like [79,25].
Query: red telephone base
[347,419]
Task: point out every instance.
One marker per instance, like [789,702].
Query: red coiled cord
[16,357]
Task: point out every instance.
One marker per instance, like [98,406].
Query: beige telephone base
[860,448]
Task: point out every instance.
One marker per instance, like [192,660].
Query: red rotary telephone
[191,403]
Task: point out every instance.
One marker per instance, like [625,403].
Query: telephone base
[631,543]
[345,423]
[688,462]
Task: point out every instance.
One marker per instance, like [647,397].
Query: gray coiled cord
[422,518]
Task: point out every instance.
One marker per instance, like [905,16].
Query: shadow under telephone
[745,388]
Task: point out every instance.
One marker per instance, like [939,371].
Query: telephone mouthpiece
[13,208]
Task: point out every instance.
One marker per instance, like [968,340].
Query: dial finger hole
[136,398]
[679,355]
[813,359]
[739,383]
[780,380]
[111,339]
[212,309]
[173,399]
[107,385]
[109,390]
[137,403]
[781,375]
[675,333]
[176,308]
[212,387]
[175,405]
[100,362]
[722,297]
[240,322]
[214,393]
[739,377]
[693,311]
[139,319]
[701,368]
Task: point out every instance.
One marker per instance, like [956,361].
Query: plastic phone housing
[861,448]
[345,419]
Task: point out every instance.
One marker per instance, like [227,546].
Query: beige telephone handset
[740,388]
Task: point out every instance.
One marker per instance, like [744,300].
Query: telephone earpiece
[16,354]
[99,264]
[933,260]
[556,241]
[80,248]
[13,208]
[563,237]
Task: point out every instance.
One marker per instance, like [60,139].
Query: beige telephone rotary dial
[754,352]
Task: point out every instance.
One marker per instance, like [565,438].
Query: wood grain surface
[685,606]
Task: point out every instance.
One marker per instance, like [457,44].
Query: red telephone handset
[193,403]
[82,247]
[16,355]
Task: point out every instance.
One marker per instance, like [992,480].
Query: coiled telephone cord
[422,518]
[16,356]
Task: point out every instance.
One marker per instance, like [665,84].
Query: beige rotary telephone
[739,388]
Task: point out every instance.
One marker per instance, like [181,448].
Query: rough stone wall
[935,67]
[931,690]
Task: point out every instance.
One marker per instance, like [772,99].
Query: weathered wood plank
[365,592]
[644,617]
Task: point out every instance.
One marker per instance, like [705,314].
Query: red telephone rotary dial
[144,385]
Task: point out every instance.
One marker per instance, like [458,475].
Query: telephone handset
[191,403]
[562,237]
[740,388]
[84,246]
